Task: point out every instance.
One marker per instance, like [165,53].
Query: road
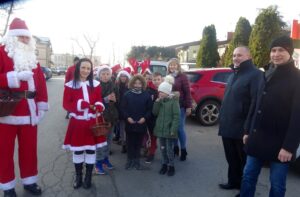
[198,176]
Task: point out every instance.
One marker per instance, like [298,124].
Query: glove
[85,105]
[41,114]
[24,75]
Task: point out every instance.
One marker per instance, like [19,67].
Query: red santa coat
[26,111]
[79,136]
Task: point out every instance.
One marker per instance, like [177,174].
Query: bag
[100,129]
[7,103]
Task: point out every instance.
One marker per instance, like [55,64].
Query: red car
[207,89]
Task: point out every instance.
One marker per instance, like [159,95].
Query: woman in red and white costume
[21,75]
[82,98]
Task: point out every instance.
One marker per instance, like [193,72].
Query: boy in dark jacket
[136,108]
[167,110]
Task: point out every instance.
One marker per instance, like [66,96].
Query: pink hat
[18,27]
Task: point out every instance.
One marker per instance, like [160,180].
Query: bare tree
[92,43]
[79,45]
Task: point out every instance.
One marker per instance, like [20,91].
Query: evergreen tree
[208,55]
[268,25]
[240,38]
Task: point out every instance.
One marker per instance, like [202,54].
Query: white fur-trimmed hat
[104,67]
[124,72]
[18,27]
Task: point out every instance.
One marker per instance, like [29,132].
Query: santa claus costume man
[21,77]
[83,98]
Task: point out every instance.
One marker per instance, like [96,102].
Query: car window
[156,68]
[221,77]
[193,77]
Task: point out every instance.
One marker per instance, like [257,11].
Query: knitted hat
[104,67]
[285,42]
[126,71]
[18,27]
[167,85]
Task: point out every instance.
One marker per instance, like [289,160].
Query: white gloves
[24,75]
[41,114]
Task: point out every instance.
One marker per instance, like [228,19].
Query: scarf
[136,90]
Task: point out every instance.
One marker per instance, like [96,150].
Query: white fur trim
[123,72]
[79,105]
[8,185]
[103,67]
[99,103]
[90,158]
[78,117]
[12,79]
[30,180]
[79,84]
[43,106]
[78,158]
[86,147]
[19,32]
[15,120]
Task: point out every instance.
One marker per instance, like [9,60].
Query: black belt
[23,94]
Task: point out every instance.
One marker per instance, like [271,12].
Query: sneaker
[107,163]
[139,166]
[99,168]
[164,169]
[149,159]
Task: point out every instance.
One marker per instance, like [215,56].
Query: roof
[196,43]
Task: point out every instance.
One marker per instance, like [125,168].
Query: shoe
[164,169]
[99,168]
[149,159]
[34,189]
[139,166]
[129,165]
[171,171]
[87,183]
[10,193]
[238,195]
[228,186]
[78,179]
[108,164]
[183,155]
[176,150]
[124,149]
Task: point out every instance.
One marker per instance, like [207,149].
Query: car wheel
[208,113]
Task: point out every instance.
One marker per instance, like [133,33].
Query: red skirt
[79,136]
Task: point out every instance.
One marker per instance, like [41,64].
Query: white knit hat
[104,67]
[167,85]
[18,27]
[123,73]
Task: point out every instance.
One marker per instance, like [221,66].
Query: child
[110,114]
[152,89]
[82,97]
[167,110]
[122,87]
[136,108]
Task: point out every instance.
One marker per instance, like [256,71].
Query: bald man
[240,95]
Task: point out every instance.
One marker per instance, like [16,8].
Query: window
[221,77]
[193,77]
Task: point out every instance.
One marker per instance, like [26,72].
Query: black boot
[78,179]
[183,155]
[176,150]
[88,176]
[10,193]
[34,189]
[171,171]
[164,169]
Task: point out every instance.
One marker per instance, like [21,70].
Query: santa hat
[285,42]
[126,71]
[167,85]
[18,27]
[115,68]
[104,67]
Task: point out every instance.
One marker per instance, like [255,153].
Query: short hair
[244,47]
[157,74]
[135,78]
[76,59]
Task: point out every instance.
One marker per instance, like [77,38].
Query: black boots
[34,189]
[171,171]
[183,155]
[10,193]
[78,179]
[88,176]
[164,169]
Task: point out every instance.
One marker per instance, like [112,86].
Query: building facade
[43,50]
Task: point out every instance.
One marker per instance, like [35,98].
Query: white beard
[23,55]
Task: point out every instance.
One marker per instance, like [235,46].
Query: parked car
[47,72]
[157,66]
[207,89]
[59,70]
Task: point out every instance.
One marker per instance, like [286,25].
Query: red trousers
[27,144]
